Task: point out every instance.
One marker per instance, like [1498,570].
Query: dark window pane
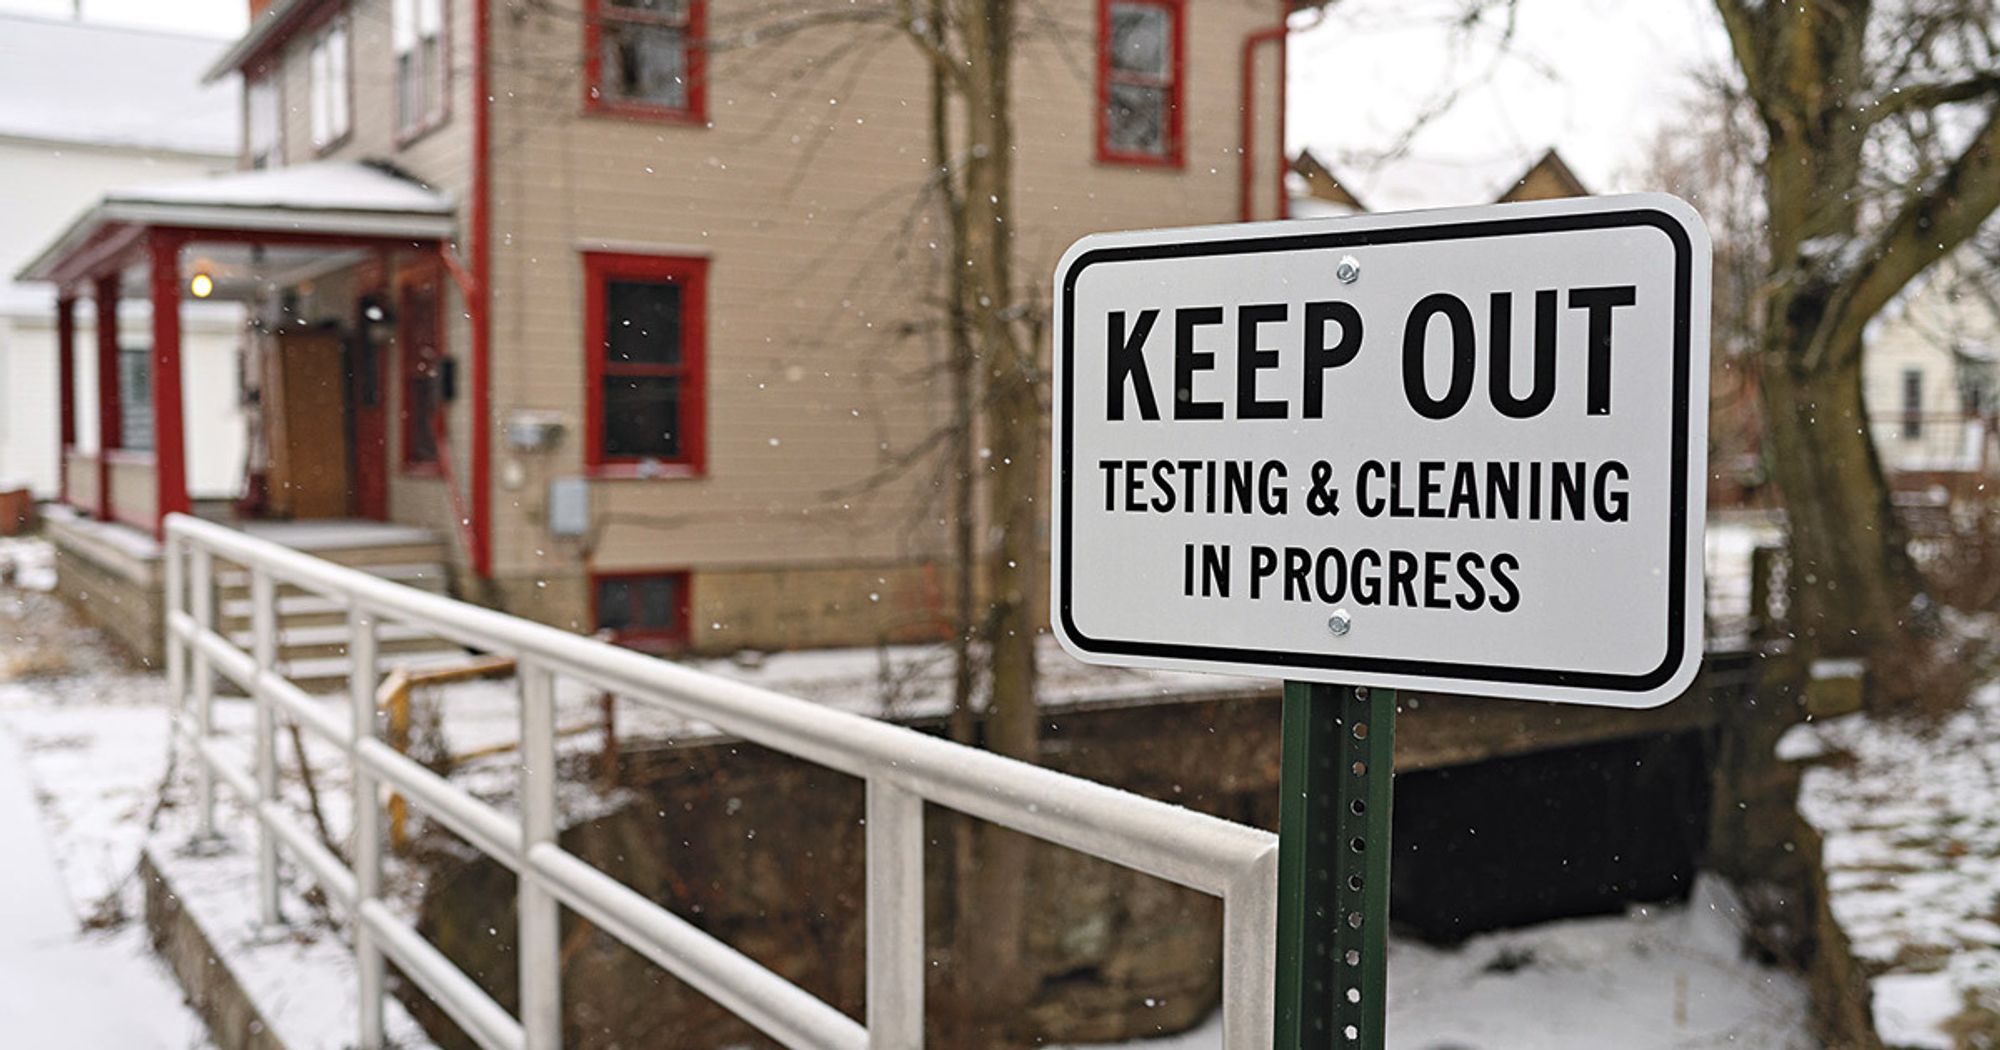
[671,9]
[614,604]
[1137,119]
[642,322]
[644,62]
[423,399]
[642,416]
[409,98]
[1140,40]
[658,603]
[135,400]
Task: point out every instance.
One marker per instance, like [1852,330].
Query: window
[135,399]
[644,610]
[328,85]
[644,58]
[1913,404]
[644,344]
[1139,82]
[416,32]
[419,330]
[1974,390]
[261,121]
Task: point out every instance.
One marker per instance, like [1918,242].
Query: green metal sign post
[1333,866]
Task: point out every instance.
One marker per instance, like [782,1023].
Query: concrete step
[304,641]
[423,575]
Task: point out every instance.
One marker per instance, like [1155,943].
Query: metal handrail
[902,770]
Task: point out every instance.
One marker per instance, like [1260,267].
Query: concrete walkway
[62,988]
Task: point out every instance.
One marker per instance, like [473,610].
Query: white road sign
[1459,451]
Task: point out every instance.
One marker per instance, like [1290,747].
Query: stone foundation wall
[115,589]
[234,1022]
[768,608]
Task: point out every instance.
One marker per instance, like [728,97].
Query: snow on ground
[71,848]
[30,563]
[1911,821]
[1654,979]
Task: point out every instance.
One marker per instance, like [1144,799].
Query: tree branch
[1918,97]
[1927,229]
[1744,32]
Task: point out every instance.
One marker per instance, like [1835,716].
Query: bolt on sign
[1457,451]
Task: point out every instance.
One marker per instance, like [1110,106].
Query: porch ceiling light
[201,286]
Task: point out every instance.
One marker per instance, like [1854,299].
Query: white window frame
[263,120]
[330,83]
[417,36]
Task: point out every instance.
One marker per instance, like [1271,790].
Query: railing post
[202,583]
[895,917]
[264,630]
[540,932]
[172,550]
[368,964]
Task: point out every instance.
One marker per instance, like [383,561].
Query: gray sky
[217,18]
[1593,78]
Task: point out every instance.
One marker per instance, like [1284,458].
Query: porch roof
[326,198]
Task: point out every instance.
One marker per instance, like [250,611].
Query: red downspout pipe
[1246,199]
[479,304]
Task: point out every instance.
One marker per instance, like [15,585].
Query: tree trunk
[1851,581]
[996,980]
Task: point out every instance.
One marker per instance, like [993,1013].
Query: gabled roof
[1410,182]
[1322,185]
[1547,179]
[80,82]
[328,197]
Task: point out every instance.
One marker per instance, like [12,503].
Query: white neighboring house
[1929,374]
[85,108]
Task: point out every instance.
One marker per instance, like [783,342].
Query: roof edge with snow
[341,198]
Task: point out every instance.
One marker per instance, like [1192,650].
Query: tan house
[629,305]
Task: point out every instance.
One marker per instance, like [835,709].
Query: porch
[342,268]
[316,389]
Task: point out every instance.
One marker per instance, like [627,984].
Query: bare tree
[1881,129]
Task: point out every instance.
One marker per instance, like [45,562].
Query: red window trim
[644,638]
[1175,156]
[594,98]
[692,273]
[408,278]
[405,135]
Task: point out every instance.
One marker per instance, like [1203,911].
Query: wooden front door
[305,418]
[368,378]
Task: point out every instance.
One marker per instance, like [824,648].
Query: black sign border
[1448,231]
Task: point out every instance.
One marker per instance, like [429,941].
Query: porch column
[65,390]
[169,437]
[109,422]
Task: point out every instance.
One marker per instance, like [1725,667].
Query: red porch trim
[106,250]
[109,419]
[65,391]
[169,435]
